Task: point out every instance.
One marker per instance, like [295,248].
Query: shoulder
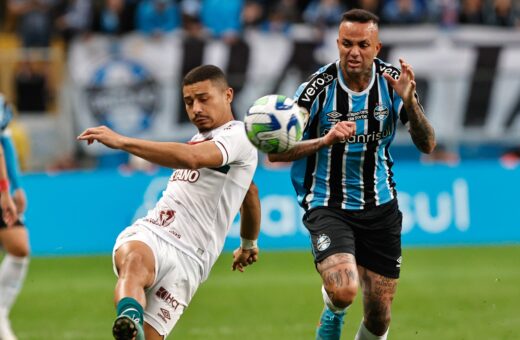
[384,67]
[317,82]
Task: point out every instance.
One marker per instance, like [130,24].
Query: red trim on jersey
[198,142]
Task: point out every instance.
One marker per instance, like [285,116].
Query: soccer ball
[274,123]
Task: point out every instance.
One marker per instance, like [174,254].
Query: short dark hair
[360,15]
[205,72]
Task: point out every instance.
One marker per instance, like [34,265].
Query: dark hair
[360,15]
[205,72]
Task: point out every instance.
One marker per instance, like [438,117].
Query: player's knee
[133,262]
[343,297]
[20,250]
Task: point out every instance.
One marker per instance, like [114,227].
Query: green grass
[444,293]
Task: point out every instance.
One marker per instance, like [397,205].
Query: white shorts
[177,277]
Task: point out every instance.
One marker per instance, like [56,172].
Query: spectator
[404,12]
[156,17]
[253,13]
[114,17]
[374,6]
[324,13]
[31,89]
[502,14]
[34,21]
[222,18]
[75,18]
[281,16]
[471,12]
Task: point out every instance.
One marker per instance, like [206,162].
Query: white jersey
[198,206]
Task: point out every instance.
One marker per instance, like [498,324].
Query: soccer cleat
[125,328]
[330,325]
[6,332]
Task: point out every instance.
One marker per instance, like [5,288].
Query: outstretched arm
[423,135]
[338,134]
[250,215]
[167,154]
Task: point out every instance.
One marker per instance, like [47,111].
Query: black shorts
[3,225]
[373,236]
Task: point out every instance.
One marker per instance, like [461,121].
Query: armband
[4,185]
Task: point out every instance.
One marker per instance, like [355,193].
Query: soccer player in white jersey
[163,257]
[14,238]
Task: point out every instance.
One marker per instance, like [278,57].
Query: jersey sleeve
[233,143]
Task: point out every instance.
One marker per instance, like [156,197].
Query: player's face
[208,104]
[358,45]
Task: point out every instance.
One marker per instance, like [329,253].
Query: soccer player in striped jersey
[14,238]
[163,257]
[343,174]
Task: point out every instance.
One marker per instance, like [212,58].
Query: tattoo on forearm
[421,131]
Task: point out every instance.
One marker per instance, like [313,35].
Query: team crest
[380,112]
[323,242]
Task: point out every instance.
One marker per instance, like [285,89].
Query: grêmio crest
[380,112]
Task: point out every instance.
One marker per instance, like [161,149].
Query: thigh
[177,281]
[137,238]
[378,240]
[329,232]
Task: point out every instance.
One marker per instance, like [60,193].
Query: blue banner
[83,212]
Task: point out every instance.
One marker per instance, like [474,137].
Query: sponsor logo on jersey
[186,175]
[334,116]
[315,86]
[392,71]
[164,315]
[167,297]
[370,137]
[323,242]
[362,114]
[380,112]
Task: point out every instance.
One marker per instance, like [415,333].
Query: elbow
[253,190]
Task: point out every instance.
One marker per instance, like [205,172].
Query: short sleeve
[233,143]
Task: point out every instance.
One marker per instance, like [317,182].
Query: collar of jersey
[344,85]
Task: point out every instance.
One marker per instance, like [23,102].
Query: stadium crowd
[37,21]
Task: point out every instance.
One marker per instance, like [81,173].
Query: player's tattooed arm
[339,133]
[421,131]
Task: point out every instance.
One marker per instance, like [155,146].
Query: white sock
[364,334]
[329,303]
[12,275]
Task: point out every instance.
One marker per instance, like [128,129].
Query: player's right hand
[103,135]
[340,132]
[9,214]
[243,258]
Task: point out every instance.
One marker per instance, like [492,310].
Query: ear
[378,48]
[229,95]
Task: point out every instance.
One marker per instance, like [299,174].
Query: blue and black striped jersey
[356,174]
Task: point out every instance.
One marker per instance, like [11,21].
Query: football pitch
[444,293]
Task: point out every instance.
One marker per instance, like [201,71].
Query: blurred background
[70,64]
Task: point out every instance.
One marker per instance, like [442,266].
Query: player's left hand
[20,200]
[9,214]
[103,135]
[243,258]
[405,85]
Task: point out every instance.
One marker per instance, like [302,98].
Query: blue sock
[131,308]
